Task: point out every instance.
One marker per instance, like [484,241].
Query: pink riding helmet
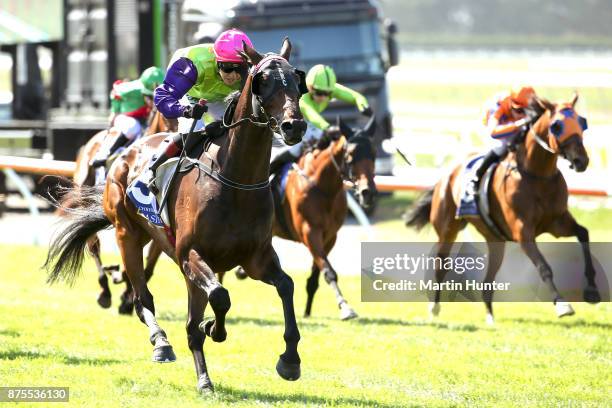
[229,43]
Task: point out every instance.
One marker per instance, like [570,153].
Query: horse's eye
[583,123]
[557,128]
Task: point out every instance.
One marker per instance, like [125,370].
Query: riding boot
[103,155]
[172,148]
[493,156]
[280,160]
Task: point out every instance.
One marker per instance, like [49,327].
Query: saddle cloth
[148,203]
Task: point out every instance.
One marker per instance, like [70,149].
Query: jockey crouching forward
[130,107]
[507,122]
[204,71]
[322,88]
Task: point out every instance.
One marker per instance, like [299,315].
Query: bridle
[557,129]
[257,100]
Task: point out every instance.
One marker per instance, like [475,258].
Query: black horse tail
[84,219]
[418,215]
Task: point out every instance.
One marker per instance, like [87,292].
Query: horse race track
[392,356]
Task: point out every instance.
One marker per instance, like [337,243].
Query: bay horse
[528,197]
[217,222]
[314,206]
[84,176]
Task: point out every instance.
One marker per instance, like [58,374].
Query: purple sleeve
[181,76]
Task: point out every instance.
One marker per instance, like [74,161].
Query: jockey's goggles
[229,67]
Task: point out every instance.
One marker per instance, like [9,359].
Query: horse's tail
[418,215]
[84,219]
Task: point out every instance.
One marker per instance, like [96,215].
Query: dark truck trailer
[351,36]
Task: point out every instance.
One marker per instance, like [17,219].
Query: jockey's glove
[367,111]
[361,102]
[195,111]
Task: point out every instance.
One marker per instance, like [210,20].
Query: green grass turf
[393,356]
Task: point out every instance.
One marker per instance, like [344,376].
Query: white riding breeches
[129,126]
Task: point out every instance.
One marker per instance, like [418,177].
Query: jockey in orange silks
[506,120]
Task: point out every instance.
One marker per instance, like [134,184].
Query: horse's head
[562,128]
[277,87]
[361,159]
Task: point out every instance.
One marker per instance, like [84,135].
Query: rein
[216,175]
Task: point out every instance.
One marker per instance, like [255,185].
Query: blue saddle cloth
[145,201]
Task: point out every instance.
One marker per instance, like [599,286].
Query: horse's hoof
[207,328]
[591,294]
[434,309]
[205,386]
[490,319]
[126,308]
[563,308]
[288,371]
[117,277]
[240,274]
[347,312]
[163,354]
[104,301]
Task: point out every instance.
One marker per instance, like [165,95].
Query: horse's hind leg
[267,268]
[566,226]
[203,277]
[127,297]
[195,337]
[130,246]
[319,251]
[104,298]
[496,256]
[312,284]
[442,217]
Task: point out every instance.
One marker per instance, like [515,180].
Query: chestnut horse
[84,176]
[528,197]
[219,219]
[314,206]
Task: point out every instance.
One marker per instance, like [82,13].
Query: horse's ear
[344,128]
[285,51]
[575,99]
[545,104]
[250,54]
[370,127]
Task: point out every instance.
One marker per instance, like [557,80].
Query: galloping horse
[84,176]
[528,197]
[314,206]
[219,219]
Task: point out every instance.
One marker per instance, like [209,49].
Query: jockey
[322,88]
[130,107]
[204,71]
[506,121]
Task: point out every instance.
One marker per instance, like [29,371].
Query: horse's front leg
[566,226]
[198,272]
[313,239]
[526,237]
[266,267]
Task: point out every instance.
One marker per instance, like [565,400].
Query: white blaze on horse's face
[282,75]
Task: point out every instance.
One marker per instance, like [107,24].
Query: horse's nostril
[286,126]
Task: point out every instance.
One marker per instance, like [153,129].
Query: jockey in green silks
[130,106]
[322,88]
